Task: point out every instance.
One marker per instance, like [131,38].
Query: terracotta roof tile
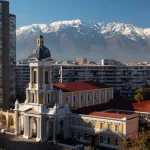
[78,86]
[109,115]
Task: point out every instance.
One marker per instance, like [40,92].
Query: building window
[96,95]
[79,135]
[102,94]
[93,124]
[116,141]
[48,98]
[108,94]
[109,126]
[85,136]
[88,97]
[108,140]
[34,77]
[72,134]
[67,100]
[74,99]
[116,127]
[46,77]
[82,97]
[101,126]
[101,139]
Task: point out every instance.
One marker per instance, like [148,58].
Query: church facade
[48,111]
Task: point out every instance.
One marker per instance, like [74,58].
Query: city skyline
[131,12]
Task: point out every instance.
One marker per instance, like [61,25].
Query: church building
[49,111]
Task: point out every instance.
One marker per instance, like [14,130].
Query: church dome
[41,52]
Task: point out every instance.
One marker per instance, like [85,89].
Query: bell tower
[40,41]
[40,90]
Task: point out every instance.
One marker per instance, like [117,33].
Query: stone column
[25,127]
[93,97]
[37,94]
[28,127]
[16,122]
[35,97]
[38,129]
[31,78]
[27,96]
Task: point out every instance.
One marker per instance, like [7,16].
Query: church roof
[78,86]
[40,53]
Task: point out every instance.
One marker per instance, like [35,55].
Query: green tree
[139,96]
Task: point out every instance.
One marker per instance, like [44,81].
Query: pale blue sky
[28,12]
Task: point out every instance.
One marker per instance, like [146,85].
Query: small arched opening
[49,130]
[46,77]
[3,122]
[33,127]
[10,122]
[32,98]
[61,127]
[34,77]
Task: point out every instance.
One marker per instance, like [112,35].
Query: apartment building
[7,54]
[12,56]
[124,78]
[22,78]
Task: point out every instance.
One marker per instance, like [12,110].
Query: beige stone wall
[98,98]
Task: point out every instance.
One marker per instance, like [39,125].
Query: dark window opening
[48,98]
[101,139]
[46,77]
[34,77]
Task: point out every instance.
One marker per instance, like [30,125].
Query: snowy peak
[107,30]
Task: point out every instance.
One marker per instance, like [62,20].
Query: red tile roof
[143,106]
[108,115]
[119,104]
[78,86]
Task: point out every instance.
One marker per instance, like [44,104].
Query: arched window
[46,77]
[34,77]
[48,98]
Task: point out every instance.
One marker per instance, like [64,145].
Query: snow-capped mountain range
[70,39]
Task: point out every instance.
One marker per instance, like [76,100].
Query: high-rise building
[12,56]
[7,54]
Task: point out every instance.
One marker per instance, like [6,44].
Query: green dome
[41,52]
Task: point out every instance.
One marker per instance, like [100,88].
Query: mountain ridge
[76,37]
